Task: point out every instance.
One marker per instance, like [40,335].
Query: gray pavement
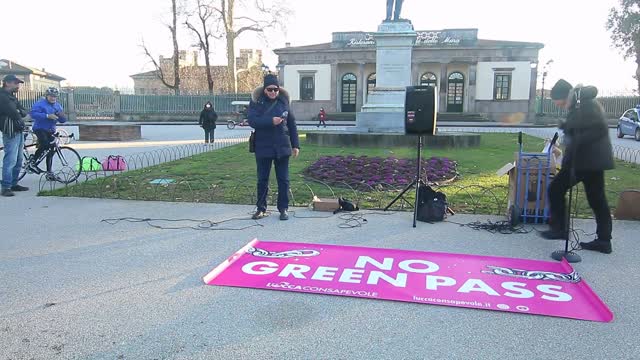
[74,287]
[129,291]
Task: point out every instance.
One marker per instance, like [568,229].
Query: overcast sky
[93,42]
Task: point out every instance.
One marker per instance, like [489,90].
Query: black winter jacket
[208,119]
[586,134]
[11,113]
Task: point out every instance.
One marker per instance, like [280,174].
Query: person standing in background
[208,118]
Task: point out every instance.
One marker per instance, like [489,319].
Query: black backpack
[432,205]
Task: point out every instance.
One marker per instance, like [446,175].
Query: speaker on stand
[421,113]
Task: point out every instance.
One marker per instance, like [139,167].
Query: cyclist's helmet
[53,92]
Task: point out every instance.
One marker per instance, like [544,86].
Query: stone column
[531,116]
[384,110]
[280,69]
[473,71]
[71,107]
[338,87]
[415,76]
[334,87]
[116,105]
[444,79]
[361,86]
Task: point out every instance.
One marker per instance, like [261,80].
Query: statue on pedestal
[396,12]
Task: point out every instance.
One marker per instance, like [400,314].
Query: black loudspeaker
[421,110]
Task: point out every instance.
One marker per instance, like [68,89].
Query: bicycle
[63,162]
[30,137]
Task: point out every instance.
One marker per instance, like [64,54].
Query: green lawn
[228,176]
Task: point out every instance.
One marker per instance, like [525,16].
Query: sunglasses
[273,89]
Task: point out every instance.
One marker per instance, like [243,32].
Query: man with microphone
[588,153]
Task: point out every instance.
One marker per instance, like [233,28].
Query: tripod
[417,181]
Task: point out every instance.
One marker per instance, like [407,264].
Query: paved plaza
[74,287]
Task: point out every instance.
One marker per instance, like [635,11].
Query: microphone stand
[570,256]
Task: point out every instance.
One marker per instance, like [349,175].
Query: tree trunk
[231,48]
[638,69]
[176,51]
[231,61]
[637,50]
[208,70]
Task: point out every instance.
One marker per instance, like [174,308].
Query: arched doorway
[428,79]
[349,92]
[455,92]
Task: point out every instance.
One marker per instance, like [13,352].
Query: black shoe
[552,235]
[7,192]
[259,215]
[50,177]
[597,245]
[284,215]
[19,188]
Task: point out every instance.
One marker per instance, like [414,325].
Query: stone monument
[384,110]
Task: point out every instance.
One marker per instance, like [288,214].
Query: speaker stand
[417,181]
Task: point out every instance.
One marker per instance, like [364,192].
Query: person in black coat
[11,126]
[588,153]
[208,118]
[276,140]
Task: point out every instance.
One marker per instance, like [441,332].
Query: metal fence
[614,106]
[105,105]
[176,104]
[29,97]
[93,105]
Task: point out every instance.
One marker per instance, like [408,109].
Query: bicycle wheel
[25,161]
[66,165]
[63,135]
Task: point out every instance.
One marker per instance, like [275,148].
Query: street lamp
[545,72]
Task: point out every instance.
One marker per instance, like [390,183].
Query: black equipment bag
[432,205]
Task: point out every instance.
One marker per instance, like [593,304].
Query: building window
[428,79]
[502,87]
[307,88]
[141,90]
[349,91]
[371,83]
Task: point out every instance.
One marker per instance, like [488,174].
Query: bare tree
[260,17]
[174,83]
[202,31]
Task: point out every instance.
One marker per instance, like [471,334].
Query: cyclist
[46,113]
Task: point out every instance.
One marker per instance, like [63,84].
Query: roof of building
[152,73]
[480,43]
[145,74]
[11,67]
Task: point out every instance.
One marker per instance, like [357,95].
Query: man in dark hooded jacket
[208,118]
[588,153]
[276,139]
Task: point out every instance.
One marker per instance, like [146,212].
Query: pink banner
[480,282]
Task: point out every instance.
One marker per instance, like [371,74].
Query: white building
[476,78]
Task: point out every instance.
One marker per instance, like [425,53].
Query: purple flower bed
[377,171]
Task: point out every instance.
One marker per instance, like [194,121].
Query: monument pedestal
[384,110]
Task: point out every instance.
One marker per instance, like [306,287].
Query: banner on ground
[479,282]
